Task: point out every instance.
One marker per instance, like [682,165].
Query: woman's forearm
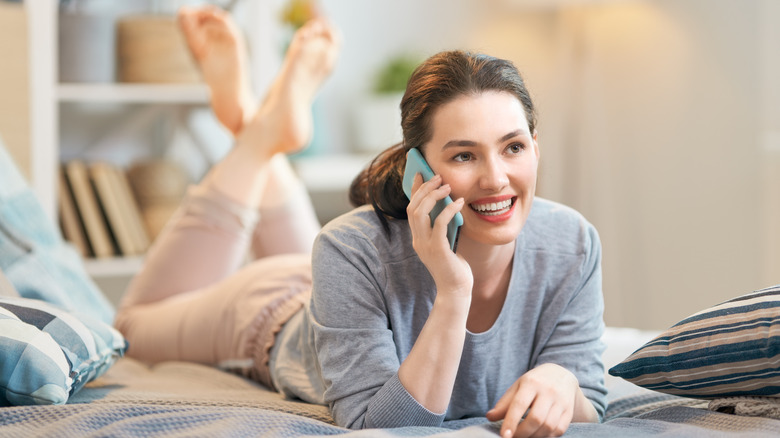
[429,371]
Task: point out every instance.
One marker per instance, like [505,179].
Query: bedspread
[183,399]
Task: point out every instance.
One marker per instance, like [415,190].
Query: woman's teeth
[492,208]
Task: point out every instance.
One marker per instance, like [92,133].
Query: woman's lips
[494,210]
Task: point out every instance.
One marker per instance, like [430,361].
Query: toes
[185,16]
[191,17]
[317,38]
[320,27]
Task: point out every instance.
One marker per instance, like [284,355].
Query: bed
[187,399]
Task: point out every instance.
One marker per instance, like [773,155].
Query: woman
[516,311]
[399,330]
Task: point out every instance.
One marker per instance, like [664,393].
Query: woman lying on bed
[386,325]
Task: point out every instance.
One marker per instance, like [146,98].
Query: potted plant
[378,116]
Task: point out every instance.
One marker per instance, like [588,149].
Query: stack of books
[98,211]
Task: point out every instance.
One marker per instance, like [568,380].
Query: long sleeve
[575,340]
[354,338]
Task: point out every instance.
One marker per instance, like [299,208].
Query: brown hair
[439,80]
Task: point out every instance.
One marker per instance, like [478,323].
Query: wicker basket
[158,186]
[151,48]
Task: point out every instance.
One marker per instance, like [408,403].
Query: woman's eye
[516,148]
[465,156]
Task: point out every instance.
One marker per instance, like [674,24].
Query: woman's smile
[494,210]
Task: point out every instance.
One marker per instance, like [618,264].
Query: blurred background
[659,120]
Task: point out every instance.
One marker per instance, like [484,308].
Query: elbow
[347,419]
[586,413]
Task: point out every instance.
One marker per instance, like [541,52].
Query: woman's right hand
[451,273]
[430,369]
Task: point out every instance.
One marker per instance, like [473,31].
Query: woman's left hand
[546,395]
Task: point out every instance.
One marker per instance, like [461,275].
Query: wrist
[453,304]
[453,288]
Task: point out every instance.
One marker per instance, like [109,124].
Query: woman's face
[482,147]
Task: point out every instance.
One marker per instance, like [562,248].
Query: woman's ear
[536,144]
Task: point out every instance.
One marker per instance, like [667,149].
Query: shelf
[327,179]
[113,267]
[330,173]
[67,117]
[134,93]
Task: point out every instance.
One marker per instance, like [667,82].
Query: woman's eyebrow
[515,133]
[453,143]
[467,143]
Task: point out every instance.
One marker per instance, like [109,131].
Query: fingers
[529,410]
[519,405]
[499,411]
[424,199]
[543,418]
[416,183]
[537,421]
[446,215]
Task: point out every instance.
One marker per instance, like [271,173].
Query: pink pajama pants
[197,298]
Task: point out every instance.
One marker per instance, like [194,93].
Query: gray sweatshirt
[372,295]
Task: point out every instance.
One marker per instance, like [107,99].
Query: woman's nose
[494,175]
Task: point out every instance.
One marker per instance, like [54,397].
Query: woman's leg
[231,323]
[287,222]
[174,307]
[212,248]
[216,43]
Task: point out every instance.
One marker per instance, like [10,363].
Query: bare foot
[218,47]
[284,117]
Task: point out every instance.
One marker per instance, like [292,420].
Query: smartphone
[415,163]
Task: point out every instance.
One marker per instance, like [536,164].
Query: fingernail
[507,433]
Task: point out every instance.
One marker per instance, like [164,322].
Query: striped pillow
[47,354]
[728,350]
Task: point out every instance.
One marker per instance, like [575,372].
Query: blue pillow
[33,254]
[48,354]
[728,350]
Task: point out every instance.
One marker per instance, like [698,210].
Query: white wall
[769,64]
[659,144]
[669,116]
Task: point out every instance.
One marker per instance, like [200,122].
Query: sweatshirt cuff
[393,406]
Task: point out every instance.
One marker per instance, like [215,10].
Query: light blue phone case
[415,163]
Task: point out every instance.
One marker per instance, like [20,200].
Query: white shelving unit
[44,124]
[49,97]
[126,94]
[133,93]
[113,267]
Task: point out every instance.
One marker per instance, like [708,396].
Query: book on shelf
[97,200]
[89,210]
[107,193]
[70,222]
[131,209]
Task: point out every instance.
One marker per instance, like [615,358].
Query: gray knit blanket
[179,399]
